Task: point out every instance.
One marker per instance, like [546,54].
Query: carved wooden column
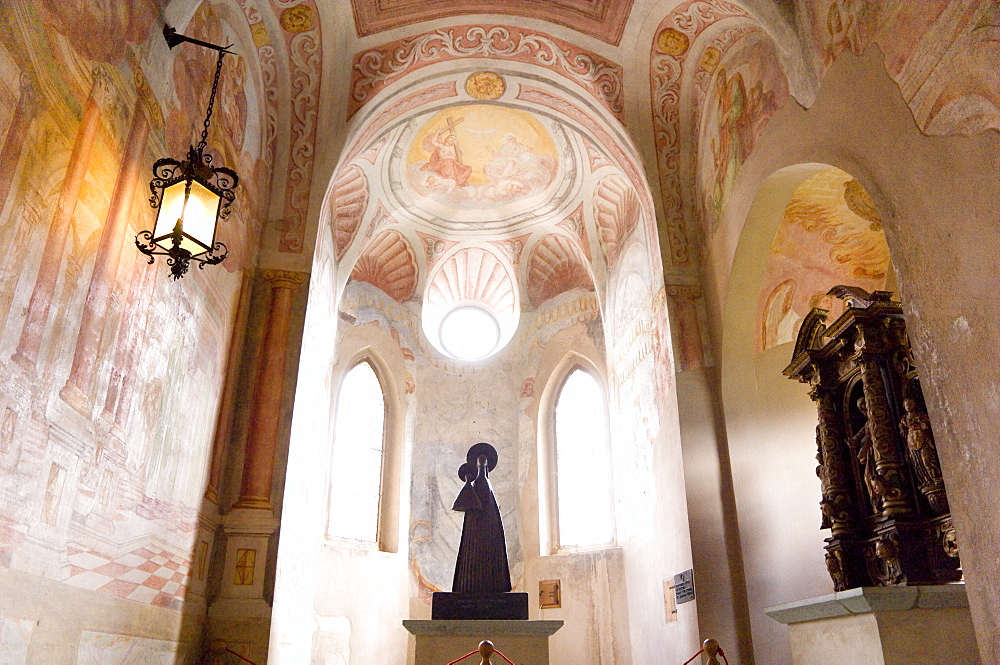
[265,409]
[28,104]
[845,549]
[76,391]
[834,468]
[55,242]
[881,425]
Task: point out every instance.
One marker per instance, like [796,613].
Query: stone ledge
[864,600]
[484,628]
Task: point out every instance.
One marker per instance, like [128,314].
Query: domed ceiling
[486,189]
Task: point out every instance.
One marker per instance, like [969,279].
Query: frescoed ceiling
[716,71]
[491,166]
[603,19]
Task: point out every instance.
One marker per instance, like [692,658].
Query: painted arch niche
[830,233]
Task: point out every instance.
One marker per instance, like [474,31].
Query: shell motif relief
[389,263]
[350,200]
[555,266]
[616,211]
[473,275]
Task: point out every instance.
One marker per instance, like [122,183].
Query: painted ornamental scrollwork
[882,491]
[377,68]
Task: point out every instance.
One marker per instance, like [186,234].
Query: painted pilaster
[37,315]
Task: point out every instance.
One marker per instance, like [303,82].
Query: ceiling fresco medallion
[485,86]
[672,42]
[478,157]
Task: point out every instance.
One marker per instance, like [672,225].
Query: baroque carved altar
[883,496]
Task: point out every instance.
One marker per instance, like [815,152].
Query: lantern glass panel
[199,217]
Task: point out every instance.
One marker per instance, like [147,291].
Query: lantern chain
[211,102]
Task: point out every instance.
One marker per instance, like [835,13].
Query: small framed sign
[549,594]
[669,600]
[684,586]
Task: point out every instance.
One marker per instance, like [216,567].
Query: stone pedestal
[446,605]
[898,625]
[440,642]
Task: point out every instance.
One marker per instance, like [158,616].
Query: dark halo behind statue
[481,586]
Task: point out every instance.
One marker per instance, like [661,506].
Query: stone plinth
[479,606]
[900,625]
[440,642]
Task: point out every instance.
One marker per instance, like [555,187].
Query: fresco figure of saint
[446,158]
[728,151]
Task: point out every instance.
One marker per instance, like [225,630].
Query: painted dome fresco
[483,163]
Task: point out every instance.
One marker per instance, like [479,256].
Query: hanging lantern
[191,195]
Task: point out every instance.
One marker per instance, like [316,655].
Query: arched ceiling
[830,234]
[694,82]
[538,177]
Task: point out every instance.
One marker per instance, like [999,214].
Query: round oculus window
[469,333]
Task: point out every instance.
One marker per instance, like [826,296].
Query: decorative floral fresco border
[299,20]
[377,68]
[688,21]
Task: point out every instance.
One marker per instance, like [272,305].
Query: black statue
[481,588]
[482,557]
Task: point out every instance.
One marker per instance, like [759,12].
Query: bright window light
[469,333]
[583,463]
[356,474]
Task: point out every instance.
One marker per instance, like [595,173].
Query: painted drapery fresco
[830,234]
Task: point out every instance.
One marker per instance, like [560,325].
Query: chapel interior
[587,232]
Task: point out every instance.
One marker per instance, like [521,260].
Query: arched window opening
[356,463]
[583,463]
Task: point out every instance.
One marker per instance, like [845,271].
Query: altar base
[898,625]
[441,641]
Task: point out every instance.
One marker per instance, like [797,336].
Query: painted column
[28,103]
[224,429]
[76,391]
[55,242]
[121,388]
[265,409]
[688,332]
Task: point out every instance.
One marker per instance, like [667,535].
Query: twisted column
[888,462]
[834,466]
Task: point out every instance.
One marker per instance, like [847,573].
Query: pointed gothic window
[583,463]
[356,474]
